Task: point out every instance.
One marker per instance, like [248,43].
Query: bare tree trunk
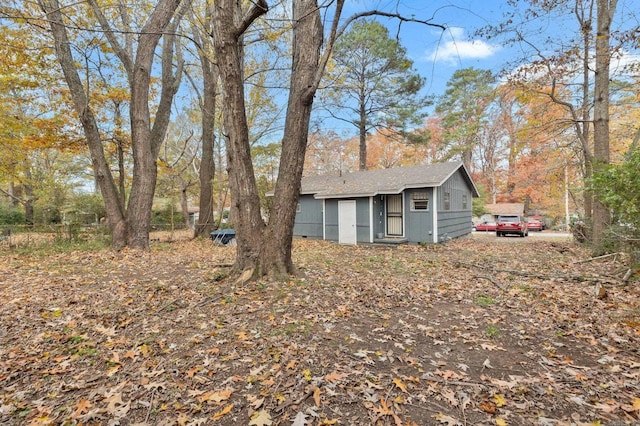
[147,139]
[27,188]
[184,204]
[606,10]
[207,165]
[12,199]
[275,257]
[362,127]
[229,27]
[585,18]
[267,250]
[120,149]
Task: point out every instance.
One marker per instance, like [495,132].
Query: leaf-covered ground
[481,331]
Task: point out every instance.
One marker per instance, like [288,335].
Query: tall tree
[208,101]
[265,249]
[562,68]
[463,109]
[373,81]
[32,135]
[129,224]
[605,11]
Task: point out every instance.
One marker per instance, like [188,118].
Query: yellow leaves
[145,350]
[261,418]
[402,386]
[224,411]
[53,313]
[307,374]
[499,400]
[501,422]
[316,396]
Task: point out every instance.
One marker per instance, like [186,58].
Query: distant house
[502,209]
[421,204]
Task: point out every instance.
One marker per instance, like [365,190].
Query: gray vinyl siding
[308,222]
[456,221]
[453,224]
[419,224]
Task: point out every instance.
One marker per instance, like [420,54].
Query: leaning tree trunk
[606,10]
[102,172]
[275,257]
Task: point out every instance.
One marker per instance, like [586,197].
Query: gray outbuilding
[420,204]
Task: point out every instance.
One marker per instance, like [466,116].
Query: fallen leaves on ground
[482,332]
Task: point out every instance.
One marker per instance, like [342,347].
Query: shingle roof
[505,208]
[386,181]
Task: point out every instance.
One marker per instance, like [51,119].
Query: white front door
[347,222]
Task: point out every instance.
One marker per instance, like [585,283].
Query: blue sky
[437,54]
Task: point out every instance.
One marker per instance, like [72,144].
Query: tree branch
[20,200]
[387,15]
[258,9]
[125,57]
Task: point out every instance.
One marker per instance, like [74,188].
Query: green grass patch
[492,331]
[484,300]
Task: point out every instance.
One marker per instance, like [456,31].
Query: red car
[534,225]
[486,226]
[512,224]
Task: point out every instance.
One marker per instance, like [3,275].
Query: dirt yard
[474,332]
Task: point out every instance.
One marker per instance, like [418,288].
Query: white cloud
[454,48]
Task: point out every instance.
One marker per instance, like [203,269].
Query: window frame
[423,197]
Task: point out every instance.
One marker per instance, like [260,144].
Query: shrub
[11,216]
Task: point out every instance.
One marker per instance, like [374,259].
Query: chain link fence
[13,237]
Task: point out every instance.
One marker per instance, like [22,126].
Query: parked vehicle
[540,219]
[534,225]
[512,224]
[486,226]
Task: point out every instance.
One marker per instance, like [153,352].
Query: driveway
[533,236]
